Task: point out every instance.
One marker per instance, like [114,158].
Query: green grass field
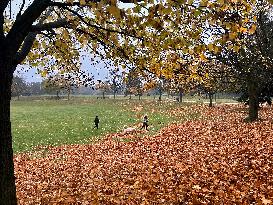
[50,122]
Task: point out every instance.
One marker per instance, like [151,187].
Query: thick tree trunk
[7,182]
[210,99]
[253,101]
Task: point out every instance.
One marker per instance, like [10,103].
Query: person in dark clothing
[96,121]
[145,123]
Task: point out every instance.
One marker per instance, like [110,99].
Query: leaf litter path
[218,160]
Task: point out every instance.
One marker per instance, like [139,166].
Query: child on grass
[96,121]
[145,123]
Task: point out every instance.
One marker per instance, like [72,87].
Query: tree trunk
[103,97]
[114,94]
[68,93]
[7,182]
[253,101]
[160,95]
[57,95]
[210,99]
[180,95]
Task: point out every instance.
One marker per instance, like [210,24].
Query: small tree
[67,82]
[103,87]
[50,86]
[115,81]
[133,85]
[35,88]
[19,86]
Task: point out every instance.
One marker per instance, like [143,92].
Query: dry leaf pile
[218,160]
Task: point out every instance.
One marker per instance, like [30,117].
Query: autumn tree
[67,82]
[251,65]
[115,80]
[134,85]
[218,78]
[51,87]
[35,88]
[103,87]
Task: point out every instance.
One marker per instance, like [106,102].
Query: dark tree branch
[51,25]
[27,45]
[2,35]
[99,27]
[22,26]
[3,5]
[28,41]
[21,9]
[62,4]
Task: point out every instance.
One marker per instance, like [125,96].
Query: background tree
[103,87]
[115,81]
[35,88]
[50,86]
[251,65]
[217,79]
[18,87]
[133,85]
[66,82]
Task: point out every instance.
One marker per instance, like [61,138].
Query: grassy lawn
[51,122]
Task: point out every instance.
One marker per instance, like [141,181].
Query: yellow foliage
[236,48]
[114,11]
[252,29]
[82,2]
[210,47]
[232,35]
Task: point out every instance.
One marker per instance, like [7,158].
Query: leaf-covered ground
[216,160]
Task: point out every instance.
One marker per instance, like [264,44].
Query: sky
[30,74]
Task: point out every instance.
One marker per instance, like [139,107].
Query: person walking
[96,121]
[145,123]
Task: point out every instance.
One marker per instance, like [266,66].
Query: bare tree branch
[29,40]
